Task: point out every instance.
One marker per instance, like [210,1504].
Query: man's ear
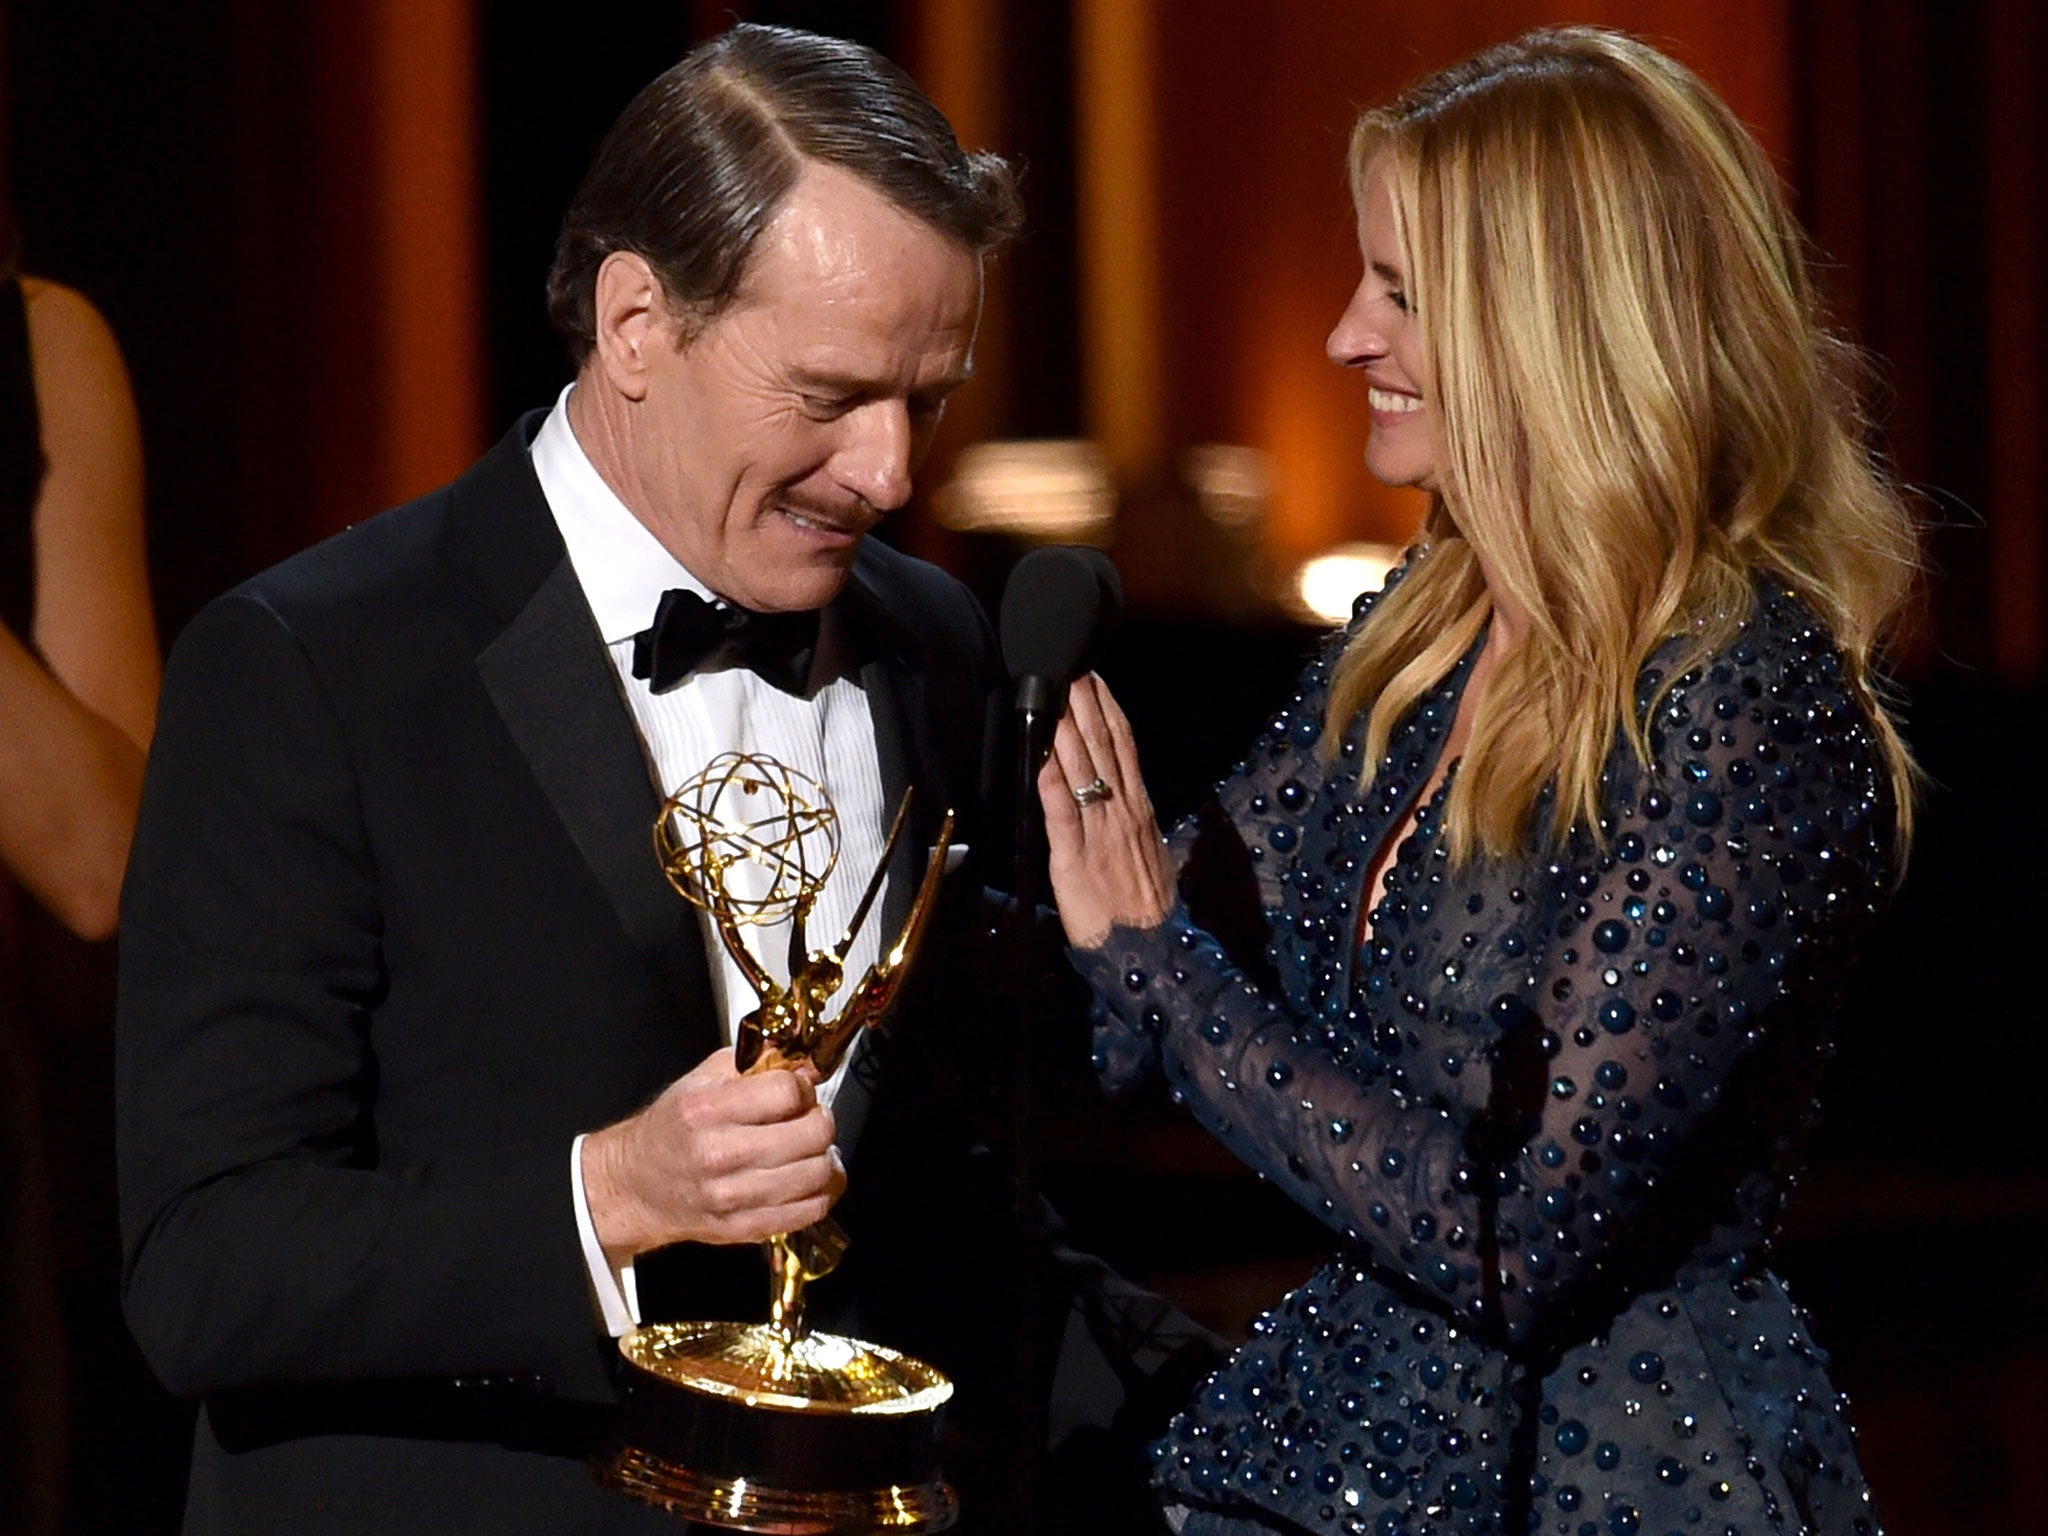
[633,320]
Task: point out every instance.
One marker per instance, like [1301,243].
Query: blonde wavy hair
[1638,411]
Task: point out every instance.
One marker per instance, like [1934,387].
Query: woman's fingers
[1110,747]
[1091,729]
[1077,762]
[1153,892]
[1056,795]
[1123,746]
[1107,864]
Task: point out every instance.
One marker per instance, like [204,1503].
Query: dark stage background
[321,231]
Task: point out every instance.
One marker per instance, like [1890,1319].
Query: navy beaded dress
[1550,1108]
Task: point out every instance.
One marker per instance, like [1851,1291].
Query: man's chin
[787,584]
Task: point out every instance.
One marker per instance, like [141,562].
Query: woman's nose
[1356,339]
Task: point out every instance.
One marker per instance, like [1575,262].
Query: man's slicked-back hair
[699,162]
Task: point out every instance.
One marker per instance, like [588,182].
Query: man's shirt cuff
[617,1297]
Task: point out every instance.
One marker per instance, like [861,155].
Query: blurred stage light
[1232,484]
[1326,585]
[1047,491]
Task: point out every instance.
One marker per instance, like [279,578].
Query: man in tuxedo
[425,1080]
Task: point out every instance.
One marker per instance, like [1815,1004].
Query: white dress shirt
[830,736]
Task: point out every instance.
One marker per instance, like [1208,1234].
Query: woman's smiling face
[1378,334]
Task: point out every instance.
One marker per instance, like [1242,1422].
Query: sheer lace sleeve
[1646,1014]
[1236,853]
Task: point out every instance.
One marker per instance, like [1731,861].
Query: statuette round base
[744,1505]
[733,1425]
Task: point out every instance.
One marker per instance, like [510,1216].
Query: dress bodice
[1549,1107]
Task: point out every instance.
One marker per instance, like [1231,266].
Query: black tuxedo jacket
[394,933]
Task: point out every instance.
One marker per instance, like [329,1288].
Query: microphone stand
[1058,606]
[1038,714]
[1038,710]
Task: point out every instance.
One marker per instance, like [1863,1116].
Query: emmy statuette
[769,1427]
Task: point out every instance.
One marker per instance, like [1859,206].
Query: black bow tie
[687,631]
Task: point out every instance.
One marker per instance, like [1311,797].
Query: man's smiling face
[767,444]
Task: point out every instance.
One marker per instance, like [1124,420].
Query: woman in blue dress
[1562,848]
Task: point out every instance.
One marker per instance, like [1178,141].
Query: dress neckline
[1429,817]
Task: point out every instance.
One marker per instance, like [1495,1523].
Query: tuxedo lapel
[896,698]
[897,684]
[895,675]
[553,685]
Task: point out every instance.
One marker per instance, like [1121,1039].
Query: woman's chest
[1414,978]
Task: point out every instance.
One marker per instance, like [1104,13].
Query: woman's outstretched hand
[1108,861]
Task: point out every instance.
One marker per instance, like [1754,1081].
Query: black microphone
[1060,607]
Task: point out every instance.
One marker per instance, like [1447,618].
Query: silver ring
[1094,792]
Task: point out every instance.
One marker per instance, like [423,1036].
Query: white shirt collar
[622,567]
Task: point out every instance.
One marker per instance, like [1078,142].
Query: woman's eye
[1398,299]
